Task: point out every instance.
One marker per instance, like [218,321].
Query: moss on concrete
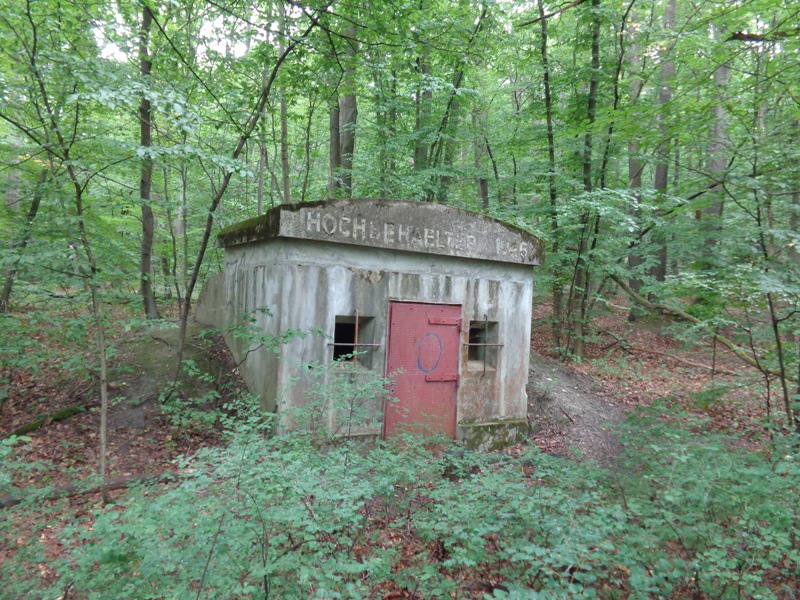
[497,435]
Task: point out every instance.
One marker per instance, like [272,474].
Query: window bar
[485,337]
[355,345]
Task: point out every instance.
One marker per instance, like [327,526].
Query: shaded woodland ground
[627,367]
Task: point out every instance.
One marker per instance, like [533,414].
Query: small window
[353,339]
[483,346]
[344,339]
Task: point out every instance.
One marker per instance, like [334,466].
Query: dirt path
[568,415]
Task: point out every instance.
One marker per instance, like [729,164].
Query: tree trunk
[478,149]
[348,115]
[634,162]
[12,192]
[335,162]
[439,146]
[262,149]
[247,129]
[558,289]
[8,283]
[449,152]
[580,280]
[382,134]
[146,179]
[422,115]
[285,175]
[661,175]
[711,215]
[307,149]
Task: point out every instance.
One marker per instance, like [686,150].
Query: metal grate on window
[352,339]
[483,345]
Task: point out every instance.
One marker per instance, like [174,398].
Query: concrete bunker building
[439,296]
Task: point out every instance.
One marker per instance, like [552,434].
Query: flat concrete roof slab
[392,224]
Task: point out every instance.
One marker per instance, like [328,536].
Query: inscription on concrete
[395,224]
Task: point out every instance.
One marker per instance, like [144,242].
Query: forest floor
[574,407]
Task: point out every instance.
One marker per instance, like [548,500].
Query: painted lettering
[312,219]
[329,224]
[388,233]
[360,228]
[404,234]
[343,222]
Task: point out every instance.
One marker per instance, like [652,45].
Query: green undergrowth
[687,513]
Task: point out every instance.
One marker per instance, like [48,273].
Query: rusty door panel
[423,348]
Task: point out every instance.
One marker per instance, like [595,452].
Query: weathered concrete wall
[307,284]
[212,306]
[298,268]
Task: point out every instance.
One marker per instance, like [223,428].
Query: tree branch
[682,314]
[774,36]
[552,14]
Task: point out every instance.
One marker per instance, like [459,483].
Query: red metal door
[423,362]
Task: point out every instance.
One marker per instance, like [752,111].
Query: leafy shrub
[342,399]
[689,513]
[731,512]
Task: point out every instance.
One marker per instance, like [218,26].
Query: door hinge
[441,378]
[452,322]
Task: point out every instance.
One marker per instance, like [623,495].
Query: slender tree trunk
[450,147]
[262,148]
[8,283]
[635,165]
[438,147]
[558,288]
[174,228]
[477,150]
[383,138]
[422,114]
[794,224]
[348,116]
[495,170]
[91,283]
[247,129]
[711,216]
[307,150]
[12,192]
[100,333]
[661,175]
[392,124]
[348,113]
[580,280]
[335,163]
[146,178]
[285,175]
[182,229]
[59,148]
[382,120]
[516,102]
